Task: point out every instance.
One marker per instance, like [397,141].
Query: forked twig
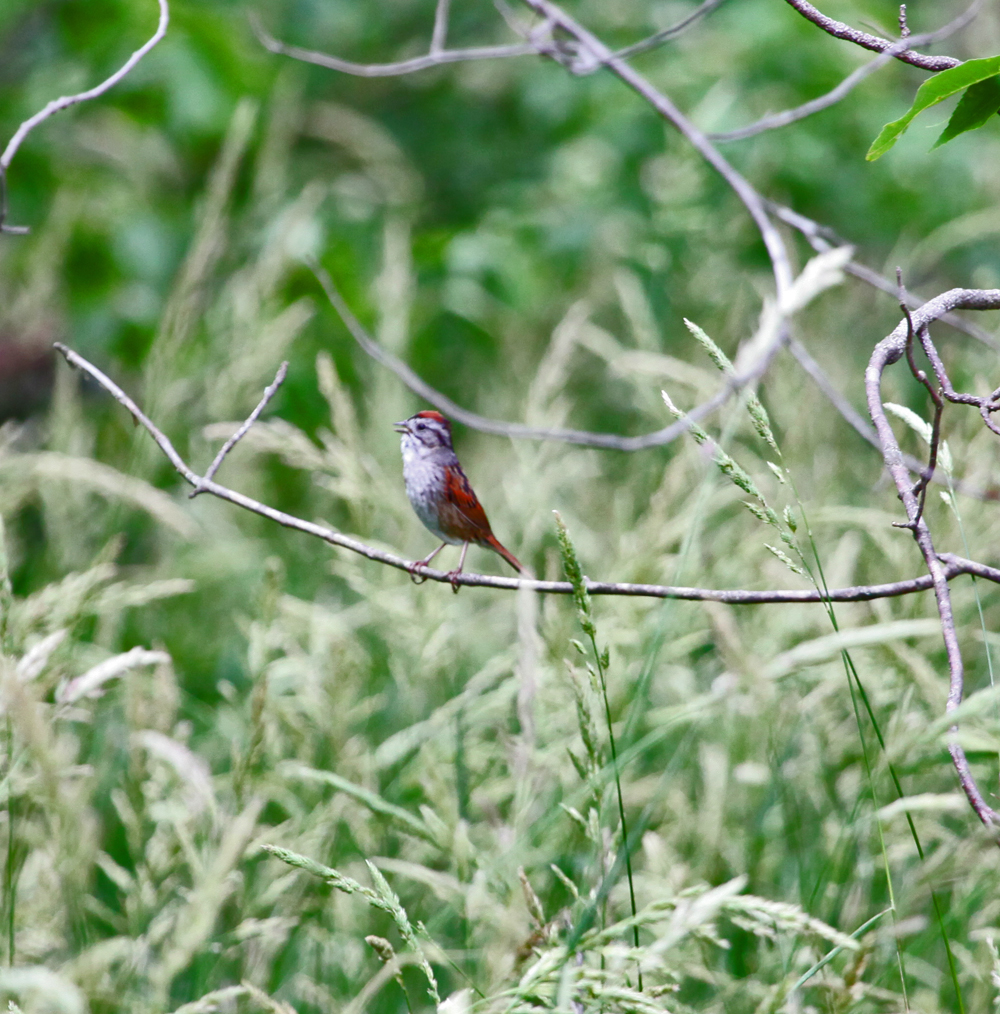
[888,351]
[269,392]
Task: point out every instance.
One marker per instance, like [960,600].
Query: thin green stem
[621,803]
[852,672]
[849,667]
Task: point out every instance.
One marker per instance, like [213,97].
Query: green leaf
[974,108]
[930,93]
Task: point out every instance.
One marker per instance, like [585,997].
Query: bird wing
[461,513]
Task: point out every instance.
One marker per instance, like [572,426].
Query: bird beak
[402,427]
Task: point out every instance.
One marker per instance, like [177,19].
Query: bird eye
[421,426]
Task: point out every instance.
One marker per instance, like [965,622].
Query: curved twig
[585,438]
[64,102]
[952,566]
[888,351]
[435,58]
[874,42]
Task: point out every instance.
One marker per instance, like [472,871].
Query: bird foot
[414,576]
[453,578]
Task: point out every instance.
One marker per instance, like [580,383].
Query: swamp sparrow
[440,493]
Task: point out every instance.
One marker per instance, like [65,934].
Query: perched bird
[440,493]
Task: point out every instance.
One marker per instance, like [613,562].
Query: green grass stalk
[585,613]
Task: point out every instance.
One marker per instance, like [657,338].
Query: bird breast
[423,476]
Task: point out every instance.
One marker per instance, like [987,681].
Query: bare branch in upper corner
[776,120]
[435,58]
[64,102]
[671,32]
[952,566]
[874,42]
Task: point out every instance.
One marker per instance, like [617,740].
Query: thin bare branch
[888,351]
[773,121]
[64,102]
[952,566]
[269,393]
[583,438]
[432,59]
[440,34]
[666,34]
[927,473]
[873,42]
[776,120]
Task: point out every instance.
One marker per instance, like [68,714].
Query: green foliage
[974,109]
[981,99]
[183,684]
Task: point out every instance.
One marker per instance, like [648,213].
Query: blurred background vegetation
[530,243]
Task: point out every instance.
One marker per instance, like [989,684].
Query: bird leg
[418,578]
[453,574]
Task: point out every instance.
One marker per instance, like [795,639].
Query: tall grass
[317,786]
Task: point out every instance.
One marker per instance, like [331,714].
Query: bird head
[425,431]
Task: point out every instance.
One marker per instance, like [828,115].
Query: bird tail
[494,544]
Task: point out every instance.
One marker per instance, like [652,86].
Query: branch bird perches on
[954,566]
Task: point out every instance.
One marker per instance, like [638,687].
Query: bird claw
[453,578]
[414,576]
